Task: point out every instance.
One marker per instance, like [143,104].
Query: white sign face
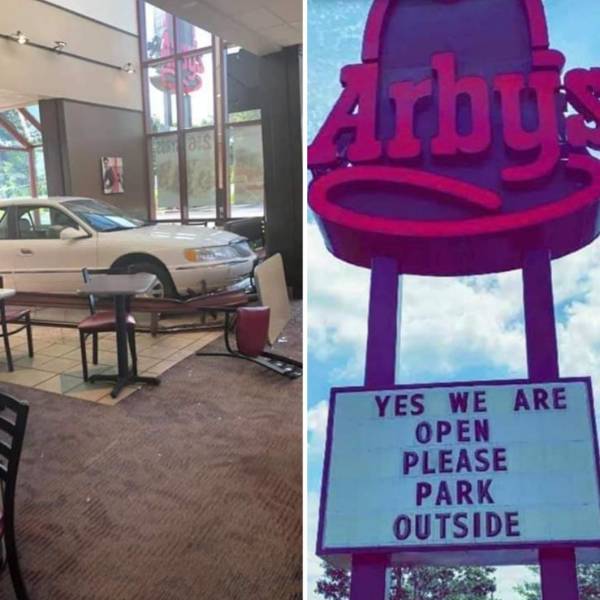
[460,467]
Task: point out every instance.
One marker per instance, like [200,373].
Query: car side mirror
[70,233]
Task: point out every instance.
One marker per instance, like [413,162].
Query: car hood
[186,236]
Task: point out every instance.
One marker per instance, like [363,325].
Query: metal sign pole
[368,580]
[558,565]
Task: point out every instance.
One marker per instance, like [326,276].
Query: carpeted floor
[192,490]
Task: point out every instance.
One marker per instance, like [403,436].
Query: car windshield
[101,216]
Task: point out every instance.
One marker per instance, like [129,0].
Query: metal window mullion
[222,199]
[181,145]
[149,157]
[32,173]
[32,120]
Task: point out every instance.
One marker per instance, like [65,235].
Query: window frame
[220,125]
[25,145]
[17,208]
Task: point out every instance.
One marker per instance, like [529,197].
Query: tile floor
[56,365]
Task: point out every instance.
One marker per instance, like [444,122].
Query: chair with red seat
[13,421]
[251,326]
[14,315]
[103,321]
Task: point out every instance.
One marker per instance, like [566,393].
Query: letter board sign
[455,474]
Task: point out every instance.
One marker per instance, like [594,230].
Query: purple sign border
[322,551]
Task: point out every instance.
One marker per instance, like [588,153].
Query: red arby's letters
[406,95]
[450,88]
[468,158]
[360,87]
[544,139]
[583,88]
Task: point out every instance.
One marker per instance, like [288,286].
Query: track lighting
[60,47]
[20,37]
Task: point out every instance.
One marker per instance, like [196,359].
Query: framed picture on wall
[112,175]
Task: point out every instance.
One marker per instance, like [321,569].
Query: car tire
[164,287]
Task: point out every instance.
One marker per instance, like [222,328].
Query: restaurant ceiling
[260,26]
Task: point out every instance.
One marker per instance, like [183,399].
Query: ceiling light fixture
[20,37]
[128,68]
[59,46]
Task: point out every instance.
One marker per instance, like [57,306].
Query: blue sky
[452,329]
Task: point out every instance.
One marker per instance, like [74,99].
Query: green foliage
[14,175]
[419,583]
[589,582]
[334,585]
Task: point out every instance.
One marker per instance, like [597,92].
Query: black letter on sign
[459,401]
[402,527]
[512,524]
[521,401]
[424,432]
[382,403]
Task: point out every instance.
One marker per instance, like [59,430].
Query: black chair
[14,315]
[103,321]
[13,421]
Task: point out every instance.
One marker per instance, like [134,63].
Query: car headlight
[243,249]
[210,254]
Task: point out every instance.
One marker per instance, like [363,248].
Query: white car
[44,244]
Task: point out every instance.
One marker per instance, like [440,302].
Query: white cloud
[451,324]
[446,323]
[508,578]
[316,424]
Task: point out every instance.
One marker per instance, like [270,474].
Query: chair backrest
[85,273]
[13,422]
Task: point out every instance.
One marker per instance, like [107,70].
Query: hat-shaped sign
[450,148]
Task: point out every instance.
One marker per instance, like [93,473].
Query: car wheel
[164,285]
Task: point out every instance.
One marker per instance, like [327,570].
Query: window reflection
[200,149]
[198,90]
[165,171]
[159,33]
[246,173]
[181,70]
[191,37]
[162,96]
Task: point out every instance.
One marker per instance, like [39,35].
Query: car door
[43,261]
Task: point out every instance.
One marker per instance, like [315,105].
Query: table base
[121,382]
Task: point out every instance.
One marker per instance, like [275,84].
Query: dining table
[121,288]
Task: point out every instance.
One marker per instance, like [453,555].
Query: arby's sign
[458,144]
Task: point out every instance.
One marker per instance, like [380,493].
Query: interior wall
[117,13]
[77,135]
[282,146]
[36,72]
